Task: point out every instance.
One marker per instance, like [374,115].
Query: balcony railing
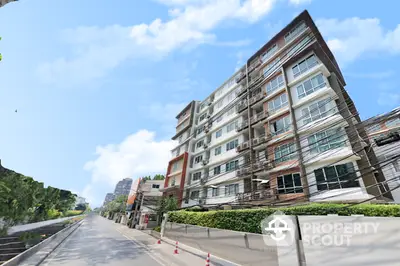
[245,171]
[242,126]
[241,106]
[263,166]
[260,194]
[243,146]
[240,77]
[256,98]
[261,139]
[254,65]
[258,117]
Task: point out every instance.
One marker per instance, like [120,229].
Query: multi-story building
[109,197]
[384,134]
[178,165]
[282,129]
[123,187]
[4,2]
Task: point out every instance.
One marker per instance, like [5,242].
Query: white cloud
[100,50]
[138,154]
[299,2]
[389,99]
[354,37]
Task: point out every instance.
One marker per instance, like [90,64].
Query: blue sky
[97,84]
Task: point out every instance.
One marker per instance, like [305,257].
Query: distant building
[123,187]
[3,2]
[109,197]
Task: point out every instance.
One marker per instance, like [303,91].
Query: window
[232,144]
[173,181]
[271,67]
[219,119]
[281,126]
[373,128]
[311,85]
[270,52]
[336,177]
[218,150]
[233,165]
[218,93]
[202,117]
[230,111]
[174,167]
[194,194]
[290,183]
[155,186]
[218,133]
[396,165]
[277,103]
[198,159]
[275,83]
[231,126]
[196,176]
[217,170]
[305,65]
[295,32]
[285,152]
[327,140]
[220,103]
[393,122]
[200,130]
[180,139]
[232,189]
[231,97]
[200,143]
[215,192]
[315,111]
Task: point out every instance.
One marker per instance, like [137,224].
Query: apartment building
[123,187]
[108,198]
[281,129]
[178,165]
[384,134]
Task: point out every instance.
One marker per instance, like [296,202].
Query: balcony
[241,106]
[207,127]
[245,171]
[263,166]
[256,98]
[240,77]
[242,126]
[243,146]
[242,90]
[261,139]
[258,117]
[254,65]
[260,194]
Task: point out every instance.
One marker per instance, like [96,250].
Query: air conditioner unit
[202,201]
[210,102]
[205,162]
[209,116]
[255,141]
[203,180]
[206,129]
[205,145]
[245,145]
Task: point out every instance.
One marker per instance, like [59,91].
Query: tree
[80,207]
[146,178]
[159,177]
[166,204]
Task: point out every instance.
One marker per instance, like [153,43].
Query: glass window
[285,152]
[231,126]
[202,117]
[175,167]
[275,84]
[220,103]
[327,140]
[232,144]
[304,65]
[155,186]
[200,130]
[217,170]
[311,85]
[396,165]
[231,111]
[219,119]
[215,192]
[373,128]
[232,189]
[393,122]
[277,103]
[198,159]
[281,126]
[295,32]
[196,176]
[218,133]
[270,52]
[218,150]
[271,67]
[316,111]
[199,143]
[290,183]
[233,165]
[194,194]
[336,177]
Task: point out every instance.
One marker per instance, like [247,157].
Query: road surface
[99,241]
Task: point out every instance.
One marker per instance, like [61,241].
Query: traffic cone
[176,248]
[159,241]
[208,260]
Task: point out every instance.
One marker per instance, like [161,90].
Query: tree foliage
[118,205]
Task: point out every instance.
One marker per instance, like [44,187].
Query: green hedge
[248,220]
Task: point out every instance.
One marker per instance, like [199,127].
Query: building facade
[384,134]
[123,187]
[109,197]
[177,167]
[4,2]
[281,129]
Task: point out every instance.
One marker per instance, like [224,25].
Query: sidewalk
[164,252]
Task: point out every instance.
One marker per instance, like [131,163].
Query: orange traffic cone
[208,260]
[159,241]
[176,248]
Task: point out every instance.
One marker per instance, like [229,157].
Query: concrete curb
[194,251]
[64,233]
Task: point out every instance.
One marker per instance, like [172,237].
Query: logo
[278,230]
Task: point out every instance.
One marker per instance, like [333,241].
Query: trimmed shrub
[72,213]
[157,229]
[248,220]
[54,214]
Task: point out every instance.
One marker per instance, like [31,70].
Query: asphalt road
[96,242]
